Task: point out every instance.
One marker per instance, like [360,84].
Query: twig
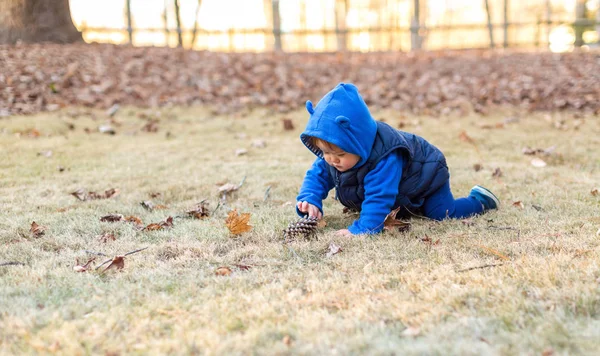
[127,254]
[217,208]
[293,252]
[501,227]
[95,253]
[241,183]
[12,263]
[479,267]
[267,193]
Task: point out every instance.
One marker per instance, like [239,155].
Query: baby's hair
[316,142]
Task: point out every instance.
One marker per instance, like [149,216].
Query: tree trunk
[505,27]
[277,26]
[579,16]
[178,20]
[33,21]
[341,9]
[195,30]
[598,21]
[489,23]
[415,26]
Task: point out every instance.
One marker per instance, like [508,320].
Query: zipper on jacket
[338,187]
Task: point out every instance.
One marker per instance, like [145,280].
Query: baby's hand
[311,210]
[343,233]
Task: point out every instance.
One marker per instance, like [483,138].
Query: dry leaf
[411,331]
[241,151]
[494,252]
[259,144]
[594,192]
[161,225]
[465,138]
[117,263]
[287,340]
[45,153]
[199,211]
[223,271]
[321,224]
[536,162]
[154,195]
[148,205]
[497,173]
[107,129]
[134,219]
[333,249]
[106,237]
[429,241]
[519,204]
[83,268]
[468,222]
[391,223]
[112,218]
[477,167]
[227,188]
[238,224]
[37,230]
[80,194]
[288,125]
[243,267]
[83,196]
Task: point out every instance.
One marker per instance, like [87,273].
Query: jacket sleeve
[381,189]
[317,184]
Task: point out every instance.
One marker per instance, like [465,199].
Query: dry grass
[393,293]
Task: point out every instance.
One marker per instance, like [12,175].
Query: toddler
[375,168]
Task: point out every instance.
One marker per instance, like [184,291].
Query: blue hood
[341,117]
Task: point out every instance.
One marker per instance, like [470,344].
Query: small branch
[293,252]
[135,251]
[96,253]
[267,193]
[241,183]
[217,208]
[479,267]
[12,263]
[501,227]
[103,263]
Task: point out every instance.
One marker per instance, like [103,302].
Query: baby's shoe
[485,197]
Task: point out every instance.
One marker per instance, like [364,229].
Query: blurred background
[334,25]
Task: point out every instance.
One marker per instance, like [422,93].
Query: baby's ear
[343,121]
[309,107]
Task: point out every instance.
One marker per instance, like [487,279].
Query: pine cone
[303,227]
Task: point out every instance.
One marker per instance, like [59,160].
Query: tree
[37,21]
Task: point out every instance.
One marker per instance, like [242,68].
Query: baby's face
[334,156]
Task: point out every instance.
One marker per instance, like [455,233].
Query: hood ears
[343,121]
[309,107]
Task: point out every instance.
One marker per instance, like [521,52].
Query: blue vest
[424,171]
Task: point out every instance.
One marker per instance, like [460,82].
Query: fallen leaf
[112,218]
[80,194]
[497,173]
[106,237]
[390,223]
[117,263]
[113,192]
[161,225]
[148,205]
[594,192]
[241,151]
[84,267]
[411,331]
[154,195]
[243,267]
[333,249]
[259,144]
[537,162]
[468,222]
[321,224]
[227,188]
[135,220]
[37,230]
[223,271]
[519,204]
[287,340]
[288,125]
[151,126]
[199,211]
[465,138]
[494,252]
[113,110]
[238,224]
[429,241]
[107,129]
[477,167]
[45,153]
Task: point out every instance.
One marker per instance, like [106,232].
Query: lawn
[521,280]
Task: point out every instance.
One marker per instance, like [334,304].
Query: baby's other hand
[311,210]
[343,233]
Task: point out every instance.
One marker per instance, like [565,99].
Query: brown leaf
[154,195]
[321,224]
[112,218]
[113,192]
[243,267]
[494,252]
[519,204]
[238,224]
[151,126]
[106,237]
[117,263]
[429,241]
[161,225]
[594,192]
[497,173]
[134,219]
[148,205]
[288,125]
[391,223]
[80,194]
[199,211]
[37,230]
[227,188]
[477,167]
[333,249]
[84,267]
[223,271]
[466,138]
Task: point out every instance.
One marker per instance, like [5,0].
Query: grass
[392,293]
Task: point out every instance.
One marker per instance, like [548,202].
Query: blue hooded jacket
[395,169]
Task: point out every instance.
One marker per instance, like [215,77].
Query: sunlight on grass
[379,295]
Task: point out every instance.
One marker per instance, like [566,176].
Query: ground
[521,280]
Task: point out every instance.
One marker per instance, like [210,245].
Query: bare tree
[129,26]
[178,19]
[598,21]
[277,25]
[505,26]
[579,17]
[341,9]
[37,21]
[489,23]
[195,30]
[415,26]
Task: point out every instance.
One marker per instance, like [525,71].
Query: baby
[375,168]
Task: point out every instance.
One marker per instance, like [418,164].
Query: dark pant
[442,205]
